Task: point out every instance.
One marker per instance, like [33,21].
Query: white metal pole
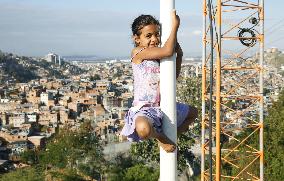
[168,161]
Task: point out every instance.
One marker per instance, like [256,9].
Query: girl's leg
[145,130]
[192,115]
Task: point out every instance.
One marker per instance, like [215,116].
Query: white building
[53,58]
[31,117]
[44,97]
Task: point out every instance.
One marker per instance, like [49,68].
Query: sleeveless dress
[146,101]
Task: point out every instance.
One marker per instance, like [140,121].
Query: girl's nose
[155,38]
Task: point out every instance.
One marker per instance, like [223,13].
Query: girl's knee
[143,127]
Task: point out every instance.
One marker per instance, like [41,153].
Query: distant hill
[23,69]
[275,58]
[92,58]
[80,58]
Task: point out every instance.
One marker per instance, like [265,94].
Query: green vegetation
[68,155]
[274,141]
[95,77]
[75,150]
[12,68]
[141,172]
[129,169]
[24,174]
[189,91]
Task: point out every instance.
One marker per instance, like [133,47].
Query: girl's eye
[148,36]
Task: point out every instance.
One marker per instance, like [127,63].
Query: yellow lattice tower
[237,97]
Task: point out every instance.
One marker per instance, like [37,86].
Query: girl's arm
[160,52]
[179,54]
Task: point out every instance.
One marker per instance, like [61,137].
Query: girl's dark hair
[142,21]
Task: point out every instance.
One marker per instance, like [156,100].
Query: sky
[102,27]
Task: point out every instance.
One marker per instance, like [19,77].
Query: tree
[141,172]
[274,141]
[75,150]
[189,91]
[118,165]
[95,77]
[68,156]
[128,168]
[29,157]
[24,174]
[63,175]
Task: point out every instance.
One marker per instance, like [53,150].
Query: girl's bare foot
[167,146]
[163,141]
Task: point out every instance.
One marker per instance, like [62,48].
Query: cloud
[32,30]
[197,32]
[31,27]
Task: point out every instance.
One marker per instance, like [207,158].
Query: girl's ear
[136,40]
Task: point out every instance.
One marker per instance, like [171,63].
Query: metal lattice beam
[237,117]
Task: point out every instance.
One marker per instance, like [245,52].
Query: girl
[144,119]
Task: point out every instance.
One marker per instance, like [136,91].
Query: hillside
[23,69]
[274,58]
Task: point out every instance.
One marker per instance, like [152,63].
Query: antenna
[237,94]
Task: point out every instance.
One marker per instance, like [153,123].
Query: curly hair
[142,21]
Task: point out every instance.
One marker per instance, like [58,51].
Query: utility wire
[274,27]
[275,40]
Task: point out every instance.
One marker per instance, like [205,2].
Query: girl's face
[149,37]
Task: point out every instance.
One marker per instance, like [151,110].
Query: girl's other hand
[175,19]
[178,50]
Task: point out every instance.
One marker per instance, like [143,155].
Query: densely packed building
[31,112]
